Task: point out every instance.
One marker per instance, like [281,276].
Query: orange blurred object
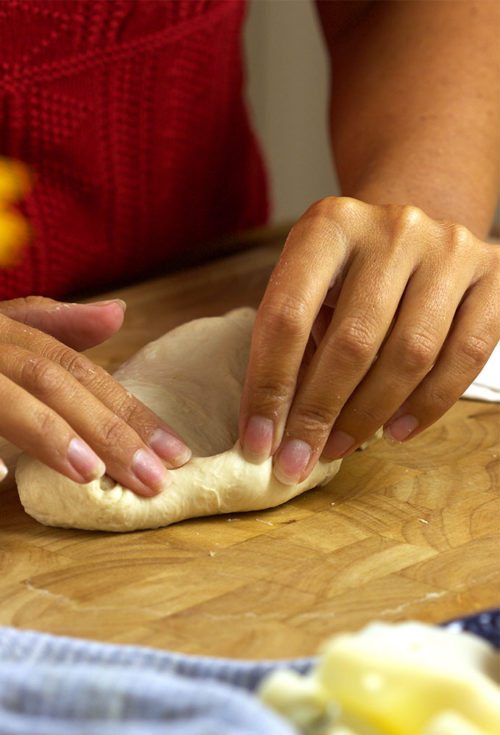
[15,183]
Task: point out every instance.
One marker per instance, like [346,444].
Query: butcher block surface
[402,532]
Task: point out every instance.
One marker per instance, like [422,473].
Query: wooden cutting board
[406,532]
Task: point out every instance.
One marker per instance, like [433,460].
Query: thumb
[79,326]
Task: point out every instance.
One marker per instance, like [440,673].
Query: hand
[68,412]
[404,311]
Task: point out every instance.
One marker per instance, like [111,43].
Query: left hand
[374,316]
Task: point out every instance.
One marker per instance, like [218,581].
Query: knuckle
[460,237]
[271,395]
[22,306]
[416,351]
[438,401]
[333,213]
[44,423]
[59,353]
[34,301]
[74,363]
[367,417]
[134,414]
[322,208]
[354,340]
[20,309]
[344,208]
[408,217]
[398,227]
[112,433]
[314,420]
[475,350]
[402,224]
[286,317]
[41,376]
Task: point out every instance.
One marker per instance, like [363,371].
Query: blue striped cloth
[52,685]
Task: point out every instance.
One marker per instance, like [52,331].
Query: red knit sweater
[130,113]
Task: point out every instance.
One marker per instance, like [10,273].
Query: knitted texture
[131,114]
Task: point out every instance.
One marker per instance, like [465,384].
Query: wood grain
[401,532]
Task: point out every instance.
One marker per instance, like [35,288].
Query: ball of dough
[192,378]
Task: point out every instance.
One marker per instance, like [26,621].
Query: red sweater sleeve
[132,116]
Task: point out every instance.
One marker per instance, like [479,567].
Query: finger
[3,470]
[79,326]
[424,319]
[128,459]
[37,429]
[365,309]
[292,300]
[472,339]
[149,427]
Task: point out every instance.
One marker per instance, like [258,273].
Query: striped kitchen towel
[51,685]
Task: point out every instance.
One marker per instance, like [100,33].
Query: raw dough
[192,377]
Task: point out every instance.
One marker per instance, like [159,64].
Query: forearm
[415,106]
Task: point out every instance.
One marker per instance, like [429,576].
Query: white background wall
[288,95]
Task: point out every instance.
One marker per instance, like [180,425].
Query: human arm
[414,124]
[414,107]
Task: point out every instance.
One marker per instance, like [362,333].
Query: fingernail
[85,461]
[292,461]
[258,439]
[169,448]
[338,444]
[3,470]
[150,470]
[401,428]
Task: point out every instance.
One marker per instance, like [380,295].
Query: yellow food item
[15,180]
[401,679]
[14,230]
[14,235]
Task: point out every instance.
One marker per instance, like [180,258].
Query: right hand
[66,411]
